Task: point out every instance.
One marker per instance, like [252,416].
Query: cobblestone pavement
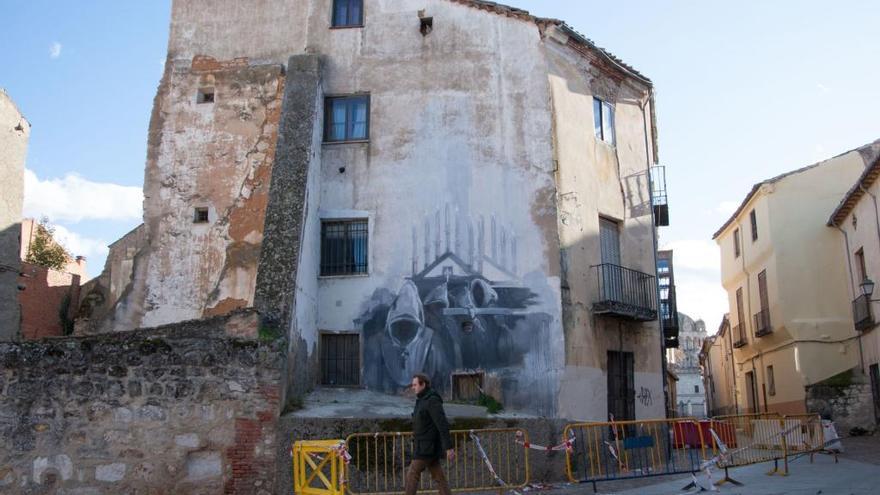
[855,473]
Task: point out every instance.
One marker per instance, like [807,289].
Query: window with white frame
[603,120]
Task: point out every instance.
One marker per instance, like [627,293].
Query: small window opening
[467,386]
[205,95]
[200,215]
[427,25]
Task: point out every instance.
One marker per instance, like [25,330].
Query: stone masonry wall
[845,399]
[188,408]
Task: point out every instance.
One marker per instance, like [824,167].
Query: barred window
[343,247]
[346,118]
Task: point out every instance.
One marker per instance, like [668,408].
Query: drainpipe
[852,284]
[654,228]
[732,365]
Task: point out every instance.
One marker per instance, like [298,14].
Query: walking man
[430,436]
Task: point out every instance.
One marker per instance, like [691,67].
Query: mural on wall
[463,309]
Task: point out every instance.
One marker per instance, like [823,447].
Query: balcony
[669,316]
[762,323]
[739,334]
[625,293]
[659,196]
[862,316]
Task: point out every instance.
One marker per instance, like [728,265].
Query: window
[205,95]
[696,389]
[771,381]
[200,215]
[736,243]
[603,120]
[344,247]
[762,290]
[347,118]
[467,386]
[754,220]
[340,359]
[860,264]
[348,13]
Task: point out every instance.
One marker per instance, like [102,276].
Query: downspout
[732,366]
[663,364]
[852,284]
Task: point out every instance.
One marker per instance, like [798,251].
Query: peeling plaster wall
[216,155]
[597,179]
[14,134]
[459,177]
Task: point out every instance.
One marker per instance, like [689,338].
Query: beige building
[719,378]
[856,221]
[789,297]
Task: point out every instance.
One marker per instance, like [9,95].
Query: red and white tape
[567,445]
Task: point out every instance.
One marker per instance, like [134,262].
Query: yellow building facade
[790,321]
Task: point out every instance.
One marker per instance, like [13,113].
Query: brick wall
[47,292]
[188,408]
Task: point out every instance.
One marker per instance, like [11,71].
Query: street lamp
[867,287]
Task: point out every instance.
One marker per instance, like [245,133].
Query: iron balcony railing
[669,316]
[739,333]
[762,323]
[862,313]
[626,293]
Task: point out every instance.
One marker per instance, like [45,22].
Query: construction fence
[498,459]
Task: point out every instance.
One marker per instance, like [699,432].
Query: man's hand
[450,455]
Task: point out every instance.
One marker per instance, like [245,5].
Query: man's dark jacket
[430,428]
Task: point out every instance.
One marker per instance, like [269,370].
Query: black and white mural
[464,308]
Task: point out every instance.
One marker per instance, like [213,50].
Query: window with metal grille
[603,120]
[754,220]
[348,13]
[344,247]
[340,359]
[736,243]
[346,118]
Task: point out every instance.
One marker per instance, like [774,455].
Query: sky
[745,91]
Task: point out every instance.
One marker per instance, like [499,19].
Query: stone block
[201,466]
[110,472]
[190,440]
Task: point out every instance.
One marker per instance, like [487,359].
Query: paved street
[856,473]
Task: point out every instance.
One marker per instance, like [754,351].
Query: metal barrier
[633,449]
[485,460]
[804,434]
[752,438]
[318,467]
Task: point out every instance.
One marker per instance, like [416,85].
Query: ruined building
[14,134]
[451,186]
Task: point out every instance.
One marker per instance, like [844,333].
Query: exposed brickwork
[47,293]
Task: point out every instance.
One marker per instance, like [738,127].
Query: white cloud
[79,245]
[699,294]
[727,207]
[55,50]
[73,198]
[695,254]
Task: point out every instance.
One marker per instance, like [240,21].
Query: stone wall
[188,408]
[845,399]
[14,134]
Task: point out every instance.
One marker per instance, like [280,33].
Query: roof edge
[851,198]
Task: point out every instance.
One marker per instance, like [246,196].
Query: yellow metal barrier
[633,449]
[379,462]
[804,434]
[318,468]
[749,439]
